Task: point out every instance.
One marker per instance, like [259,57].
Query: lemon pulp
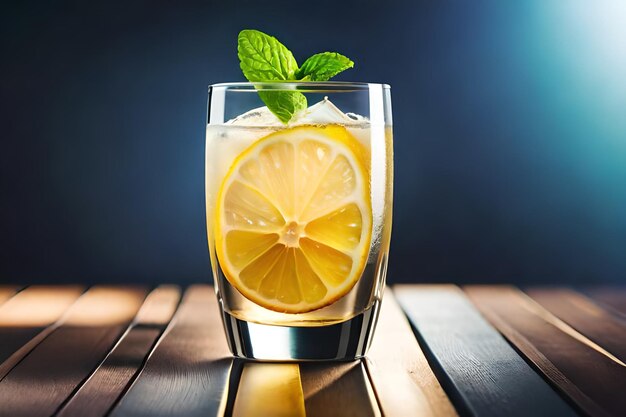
[293,220]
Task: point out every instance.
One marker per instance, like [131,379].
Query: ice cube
[261,116]
[324,112]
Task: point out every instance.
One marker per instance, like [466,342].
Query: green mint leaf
[284,104]
[323,66]
[264,58]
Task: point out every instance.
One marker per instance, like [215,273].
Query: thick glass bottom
[343,341]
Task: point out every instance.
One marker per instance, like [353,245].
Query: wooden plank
[402,378]
[28,318]
[7,291]
[105,386]
[585,316]
[270,389]
[589,375]
[39,384]
[611,297]
[188,371]
[480,371]
[335,389]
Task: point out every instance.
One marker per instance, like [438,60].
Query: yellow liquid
[226,142]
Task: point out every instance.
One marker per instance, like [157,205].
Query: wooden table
[439,350]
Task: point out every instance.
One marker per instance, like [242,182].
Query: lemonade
[298,203]
[299,215]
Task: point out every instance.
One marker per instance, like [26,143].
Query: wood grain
[28,318]
[187,373]
[7,291]
[269,389]
[44,378]
[105,386]
[402,378]
[593,380]
[611,297]
[585,316]
[336,389]
[483,375]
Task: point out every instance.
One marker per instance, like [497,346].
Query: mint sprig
[264,58]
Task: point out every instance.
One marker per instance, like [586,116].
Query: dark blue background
[510,133]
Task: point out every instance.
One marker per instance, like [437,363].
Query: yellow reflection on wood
[38,306]
[106,306]
[338,389]
[269,389]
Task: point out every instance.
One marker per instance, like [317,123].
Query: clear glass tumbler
[299,216]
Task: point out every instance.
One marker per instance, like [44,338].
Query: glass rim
[301,86]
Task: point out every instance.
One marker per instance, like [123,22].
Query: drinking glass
[299,216]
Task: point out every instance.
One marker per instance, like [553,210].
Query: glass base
[343,341]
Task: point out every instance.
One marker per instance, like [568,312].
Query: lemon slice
[293,220]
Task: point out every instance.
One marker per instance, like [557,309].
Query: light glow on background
[509,134]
